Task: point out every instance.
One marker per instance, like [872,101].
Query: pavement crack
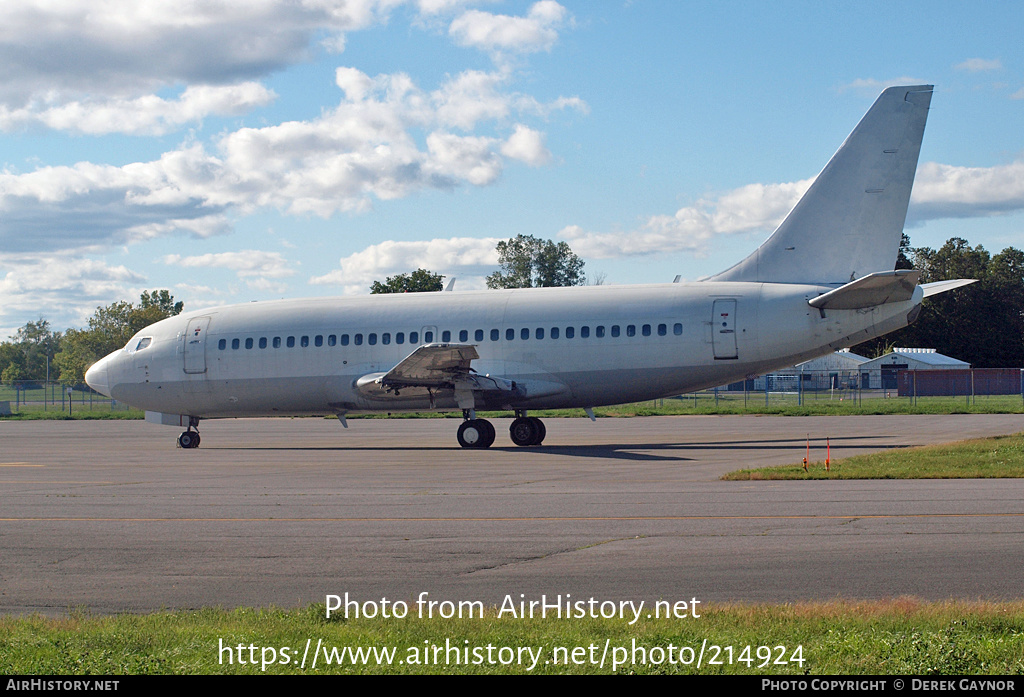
[550,555]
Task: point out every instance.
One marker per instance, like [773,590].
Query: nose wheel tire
[476,433]
[527,430]
[188,439]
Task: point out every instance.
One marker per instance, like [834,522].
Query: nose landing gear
[190,439]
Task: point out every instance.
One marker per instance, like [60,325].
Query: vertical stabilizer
[850,222]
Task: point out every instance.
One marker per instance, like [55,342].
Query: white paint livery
[822,281]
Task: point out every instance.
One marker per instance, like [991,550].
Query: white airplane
[822,281]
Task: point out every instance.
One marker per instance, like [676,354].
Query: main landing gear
[190,438]
[527,430]
[476,433]
[479,433]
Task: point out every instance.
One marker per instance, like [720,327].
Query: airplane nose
[96,377]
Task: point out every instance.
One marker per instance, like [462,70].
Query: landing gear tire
[527,430]
[188,439]
[476,433]
[488,440]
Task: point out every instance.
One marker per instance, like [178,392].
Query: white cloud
[537,31]
[96,66]
[940,191]
[70,289]
[118,46]
[526,145]
[1019,94]
[755,207]
[364,149]
[948,191]
[257,268]
[148,115]
[467,258]
[977,65]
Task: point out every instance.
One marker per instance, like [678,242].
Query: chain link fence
[58,397]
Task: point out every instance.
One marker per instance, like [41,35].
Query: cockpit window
[138,345]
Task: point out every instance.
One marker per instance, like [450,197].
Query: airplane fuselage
[561,347]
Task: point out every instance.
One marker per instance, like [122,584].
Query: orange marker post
[828,453]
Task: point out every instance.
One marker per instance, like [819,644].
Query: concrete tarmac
[111,516]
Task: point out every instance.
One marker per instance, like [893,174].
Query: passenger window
[463,335]
[495,335]
[631,330]
[584,332]
[359,339]
[428,337]
[318,340]
[414,337]
[570,332]
[344,339]
[554,332]
[446,336]
[372,339]
[222,344]
[277,342]
[400,338]
[305,341]
[615,330]
[479,335]
[248,343]
[290,342]
[677,329]
[332,340]
[263,342]
[647,330]
[235,344]
[599,331]
[385,338]
[539,333]
[510,334]
[524,333]
[662,330]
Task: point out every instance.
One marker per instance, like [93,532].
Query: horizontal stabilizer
[942,286]
[874,289]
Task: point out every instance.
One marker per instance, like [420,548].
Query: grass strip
[901,636]
[995,457]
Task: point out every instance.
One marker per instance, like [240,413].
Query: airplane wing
[436,366]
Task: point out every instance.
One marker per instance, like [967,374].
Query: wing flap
[435,366]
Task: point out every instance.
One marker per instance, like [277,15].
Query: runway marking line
[19,464]
[852,516]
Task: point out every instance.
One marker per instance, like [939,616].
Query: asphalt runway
[111,516]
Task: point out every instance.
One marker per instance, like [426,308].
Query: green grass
[999,456]
[903,636]
[35,412]
[704,403]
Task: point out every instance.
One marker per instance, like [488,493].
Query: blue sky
[254,150]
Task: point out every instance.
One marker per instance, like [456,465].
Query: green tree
[982,323]
[109,329]
[529,262]
[26,355]
[419,281]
